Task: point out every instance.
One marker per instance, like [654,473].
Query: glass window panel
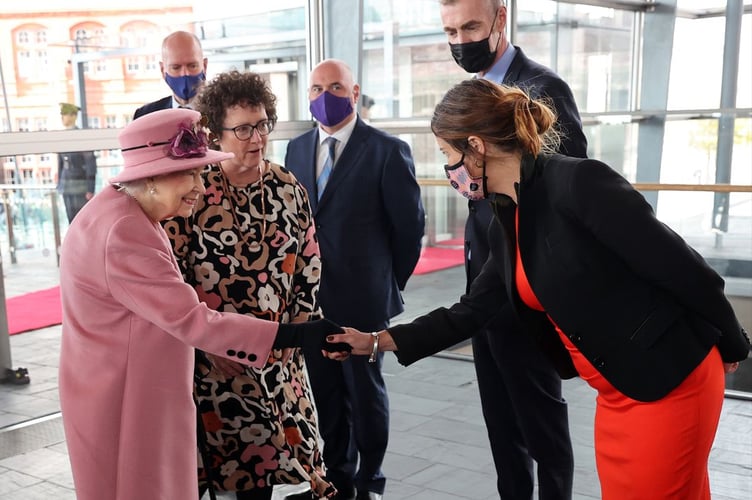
[690,150]
[700,5]
[693,86]
[699,87]
[406,75]
[616,145]
[690,214]
[25,64]
[589,47]
[744,85]
[446,213]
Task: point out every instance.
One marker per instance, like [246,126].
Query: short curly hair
[233,88]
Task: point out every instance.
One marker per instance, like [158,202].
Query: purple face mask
[329,109]
[472,188]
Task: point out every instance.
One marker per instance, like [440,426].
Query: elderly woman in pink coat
[130,323]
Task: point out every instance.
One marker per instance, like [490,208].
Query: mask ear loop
[484,179]
[493,24]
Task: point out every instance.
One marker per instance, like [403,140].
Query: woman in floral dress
[250,248]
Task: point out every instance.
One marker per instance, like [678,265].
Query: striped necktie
[331,143]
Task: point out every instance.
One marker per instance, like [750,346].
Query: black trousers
[526,415]
[353,410]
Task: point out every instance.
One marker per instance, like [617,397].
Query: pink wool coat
[130,324]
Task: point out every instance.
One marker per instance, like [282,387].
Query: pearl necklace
[122,189]
[256,244]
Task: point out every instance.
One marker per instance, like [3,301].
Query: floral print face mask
[472,188]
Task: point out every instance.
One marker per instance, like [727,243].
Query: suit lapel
[350,160]
[533,230]
[307,176]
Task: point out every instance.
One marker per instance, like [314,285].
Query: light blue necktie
[331,142]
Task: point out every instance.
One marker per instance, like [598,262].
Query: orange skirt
[656,450]
[649,451]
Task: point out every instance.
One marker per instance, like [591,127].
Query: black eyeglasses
[244,132]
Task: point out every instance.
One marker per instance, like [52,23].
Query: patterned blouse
[253,250]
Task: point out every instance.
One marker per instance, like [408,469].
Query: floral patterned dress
[252,250]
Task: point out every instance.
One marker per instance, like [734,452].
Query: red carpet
[454,242]
[34,310]
[436,258]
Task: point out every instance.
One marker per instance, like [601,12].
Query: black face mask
[475,56]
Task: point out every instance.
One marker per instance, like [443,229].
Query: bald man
[183,68]
[369,223]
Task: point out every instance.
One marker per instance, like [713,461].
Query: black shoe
[15,377]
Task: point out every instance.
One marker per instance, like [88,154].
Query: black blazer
[640,304]
[541,82]
[369,224]
[164,103]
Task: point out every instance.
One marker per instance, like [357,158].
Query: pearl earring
[152,190]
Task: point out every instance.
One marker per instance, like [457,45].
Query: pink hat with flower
[163,142]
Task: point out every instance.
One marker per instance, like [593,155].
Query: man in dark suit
[76,170]
[525,413]
[369,220]
[183,68]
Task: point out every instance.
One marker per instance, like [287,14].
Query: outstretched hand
[311,335]
[356,341]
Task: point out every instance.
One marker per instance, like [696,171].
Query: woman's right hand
[361,343]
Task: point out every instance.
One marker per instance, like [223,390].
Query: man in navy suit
[183,68]
[369,220]
[525,413]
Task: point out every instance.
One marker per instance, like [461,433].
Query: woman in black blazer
[609,292]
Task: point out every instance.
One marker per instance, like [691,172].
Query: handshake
[310,335]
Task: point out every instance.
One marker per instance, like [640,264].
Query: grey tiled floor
[438,448]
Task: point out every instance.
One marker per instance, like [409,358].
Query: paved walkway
[438,447]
